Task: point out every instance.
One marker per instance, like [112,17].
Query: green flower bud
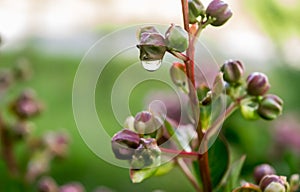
[196,9]
[273,183]
[257,84]
[232,71]
[152,44]
[249,110]
[177,38]
[124,144]
[178,76]
[262,170]
[146,155]
[270,107]
[295,182]
[146,123]
[219,11]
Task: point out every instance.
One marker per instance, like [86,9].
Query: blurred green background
[271,23]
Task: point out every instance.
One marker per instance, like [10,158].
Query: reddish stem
[7,149]
[184,154]
[202,159]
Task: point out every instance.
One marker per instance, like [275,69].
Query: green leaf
[230,180]
[139,175]
[218,160]
[165,168]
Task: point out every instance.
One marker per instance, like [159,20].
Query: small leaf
[248,187]
[165,168]
[218,160]
[230,180]
[138,175]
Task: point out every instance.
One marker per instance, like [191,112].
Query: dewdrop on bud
[257,84]
[233,71]
[152,48]
[270,107]
[196,9]
[178,76]
[177,38]
[220,13]
[273,183]
[262,170]
[124,144]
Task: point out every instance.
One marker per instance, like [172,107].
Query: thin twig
[7,149]
[183,154]
[185,169]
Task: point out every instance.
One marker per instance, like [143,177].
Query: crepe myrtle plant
[140,141]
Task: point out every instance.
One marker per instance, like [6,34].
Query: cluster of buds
[135,142]
[257,102]
[267,181]
[48,184]
[217,12]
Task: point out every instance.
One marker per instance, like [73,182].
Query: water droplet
[151,65]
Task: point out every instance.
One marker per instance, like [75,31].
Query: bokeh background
[53,35]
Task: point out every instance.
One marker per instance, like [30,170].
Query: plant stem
[7,149]
[185,169]
[203,159]
[183,154]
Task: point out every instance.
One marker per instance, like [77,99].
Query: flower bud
[177,38]
[22,70]
[21,129]
[26,106]
[261,171]
[219,11]
[273,183]
[270,107]
[145,122]
[178,76]
[47,184]
[57,143]
[196,9]
[124,144]
[6,80]
[249,109]
[152,44]
[295,182]
[232,71]
[72,187]
[146,155]
[257,84]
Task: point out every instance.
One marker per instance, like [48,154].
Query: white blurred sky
[64,18]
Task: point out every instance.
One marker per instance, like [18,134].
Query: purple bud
[152,44]
[47,184]
[124,144]
[273,183]
[26,106]
[72,187]
[146,123]
[57,143]
[262,170]
[233,71]
[270,107]
[219,11]
[257,84]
